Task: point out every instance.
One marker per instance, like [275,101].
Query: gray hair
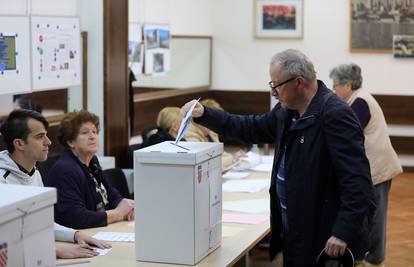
[347,73]
[295,63]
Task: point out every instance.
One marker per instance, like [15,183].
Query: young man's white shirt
[10,173]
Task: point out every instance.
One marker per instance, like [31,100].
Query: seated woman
[165,119]
[85,198]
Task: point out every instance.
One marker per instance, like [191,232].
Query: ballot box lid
[18,200]
[185,153]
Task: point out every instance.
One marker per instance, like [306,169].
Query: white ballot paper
[115,236]
[102,251]
[267,159]
[248,206]
[185,123]
[246,185]
[263,167]
[235,175]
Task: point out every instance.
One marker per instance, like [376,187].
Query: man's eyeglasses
[275,86]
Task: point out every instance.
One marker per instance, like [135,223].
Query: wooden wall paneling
[402,144]
[243,102]
[42,98]
[146,111]
[116,79]
[147,106]
[398,109]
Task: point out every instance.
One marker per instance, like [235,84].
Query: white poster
[15,73]
[56,52]
[157,40]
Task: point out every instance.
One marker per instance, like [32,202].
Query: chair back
[117,179]
[44,166]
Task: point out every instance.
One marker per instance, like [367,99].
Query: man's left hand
[82,238]
[335,247]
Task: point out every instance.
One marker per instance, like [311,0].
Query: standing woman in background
[385,165]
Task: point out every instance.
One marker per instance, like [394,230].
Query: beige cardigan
[383,160]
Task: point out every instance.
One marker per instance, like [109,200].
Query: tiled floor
[400,243]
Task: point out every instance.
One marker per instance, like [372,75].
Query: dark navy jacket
[328,182]
[76,193]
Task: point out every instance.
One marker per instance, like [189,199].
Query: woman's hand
[121,211]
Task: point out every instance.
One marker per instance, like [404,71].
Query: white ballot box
[178,201]
[26,225]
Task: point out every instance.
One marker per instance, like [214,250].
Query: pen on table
[73,263]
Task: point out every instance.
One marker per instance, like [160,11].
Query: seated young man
[25,136]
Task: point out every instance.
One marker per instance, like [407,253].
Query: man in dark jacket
[321,186]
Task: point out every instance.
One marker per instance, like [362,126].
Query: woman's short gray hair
[295,63]
[347,73]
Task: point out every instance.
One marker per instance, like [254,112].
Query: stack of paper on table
[248,161]
[267,159]
[115,236]
[263,167]
[246,185]
[260,205]
[235,175]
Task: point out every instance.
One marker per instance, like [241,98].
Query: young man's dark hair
[15,126]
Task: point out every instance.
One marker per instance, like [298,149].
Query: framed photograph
[151,38]
[403,46]
[375,22]
[279,19]
[158,63]
[157,49]
[164,38]
[135,48]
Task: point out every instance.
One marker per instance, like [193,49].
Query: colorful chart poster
[8,54]
[56,52]
[14,55]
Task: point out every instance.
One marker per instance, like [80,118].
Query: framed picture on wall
[279,19]
[375,22]
[403,46]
